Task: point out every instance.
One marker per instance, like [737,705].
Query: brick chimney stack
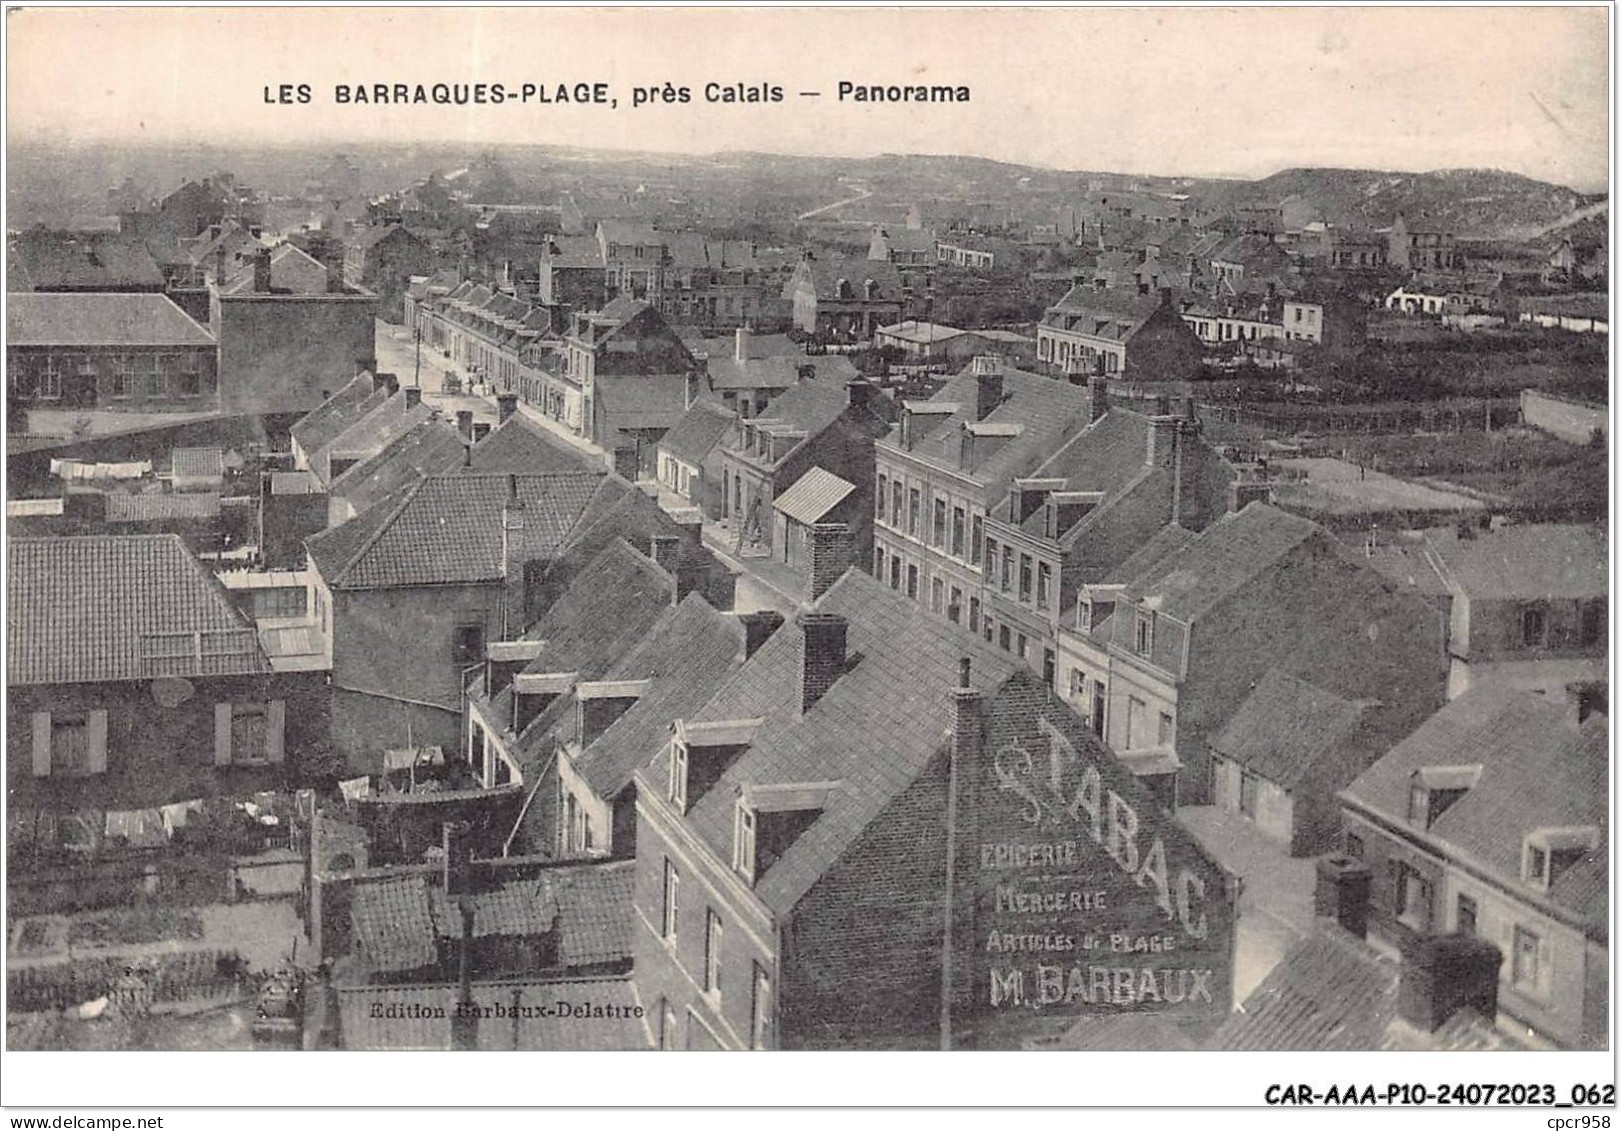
[1442,974]
[261,271]
[506,405]
[1343,885]
[824,657]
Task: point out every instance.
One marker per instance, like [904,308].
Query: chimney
[458,857]
[390,382]
[858,393]
[823,657]
[691,392]
[1442,974]
[1162,432]
[1587,698]
[1165,298]
[1343,884]
[219,265]
[464,423]
[987,393]
[413,397]
[741,349]
[967,721]
[666,552]
[1241,495]
[831,552]
[757,629]
[261,271]
[506,405]
[1100,398]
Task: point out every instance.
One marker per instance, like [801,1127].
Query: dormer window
[1550,853]
[743,842]
[678,774]
[1143,639]
[1435,789]
[769,818]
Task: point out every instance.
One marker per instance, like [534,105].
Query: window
[1248,792]
[191,375]
[954,605]
[1024,646]
[937,530]
[937,595]
[1005,638]
[1534,626]
[250,732]
[1007,569]
[990,559]
[672,900]
[1049,667]
[1024,577]
[667,1039]
[914,511]
[743,855]
[1412,897]
[160,377]
[760,1011]
[1592,631]
[1044,584]
[712,940]
[678,775]
[1526,959]
[1144,641]
[1468,915]
[878,563]
[973,614]
[976,540]
[50,382]
[1536,865]
[911,581]
[959,532]
[121,377]
[70,745]
[894,571]
[468,644]
[1167,729]
[897,491]
[883,495]
[1354,847]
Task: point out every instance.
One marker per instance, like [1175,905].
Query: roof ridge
[383,527]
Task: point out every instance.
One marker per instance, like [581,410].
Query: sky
[1191,91]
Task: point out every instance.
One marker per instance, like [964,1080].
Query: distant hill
[1469,202]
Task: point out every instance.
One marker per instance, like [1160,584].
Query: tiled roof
[1526,562]
[813,494]
[393,922]
[517,907]
[1537,771]
[447,529]
[198,461]
[161,508]
[1046,410]
[1227,555]
[380,427]
[118,607]
[84,261]
[897,690]
[685,657]
[428,448]
[87,320]
[324,423]
[396,1018]
[1284,725]
[695,435]
[594,913]
[1333,993]
[522,448]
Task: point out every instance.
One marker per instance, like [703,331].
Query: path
[861,195]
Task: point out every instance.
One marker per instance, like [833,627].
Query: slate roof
[427,448]
[1113,313]
[897,690]
[760,346]
[446,529]
[629,403]
[324,423]
[696,434]
[1538,771]
[1168,540]
[1107,455]
[1284,725]
[1526,562]
[380,427]
[91,320]
[84,261]
[776,372]
[291,269]
[1047,410]
[1333,993]
[1228,554]
[826,273]
[813,494]
[685,657]
[119,607]
[519,447]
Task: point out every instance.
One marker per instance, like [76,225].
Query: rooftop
[1528,561]
[119,607]
[1284,725]
[1229,553]
[88,320]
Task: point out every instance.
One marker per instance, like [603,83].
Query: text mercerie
[1064,796]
